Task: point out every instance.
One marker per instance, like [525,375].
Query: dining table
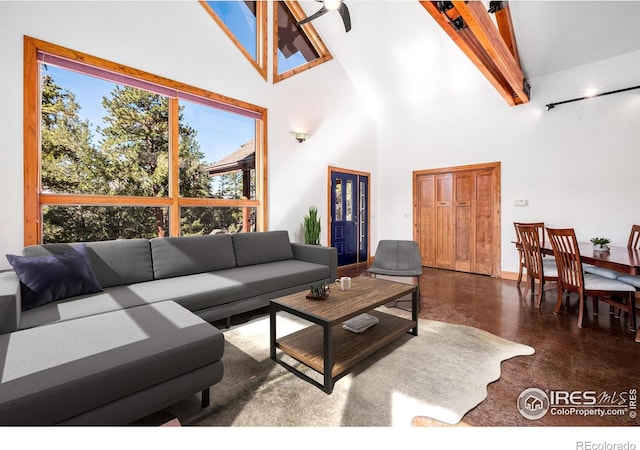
[621,259]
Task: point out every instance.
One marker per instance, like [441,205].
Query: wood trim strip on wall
[31,136]
[262,172]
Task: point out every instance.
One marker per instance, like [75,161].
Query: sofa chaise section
[111,368]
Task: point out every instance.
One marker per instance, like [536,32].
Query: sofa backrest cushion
[177,256]
[48,278]
[115,263]
[262,247]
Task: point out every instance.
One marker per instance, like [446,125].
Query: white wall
[180,41]
[576,165]
[342,134]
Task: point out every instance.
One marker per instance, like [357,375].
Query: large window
[112,152]
[245,22]
[296,47]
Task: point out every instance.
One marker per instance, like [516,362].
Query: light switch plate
[519,203]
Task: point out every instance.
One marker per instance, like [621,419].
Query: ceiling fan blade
[346,17]
[322,11]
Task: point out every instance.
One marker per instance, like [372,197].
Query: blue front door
[349,216]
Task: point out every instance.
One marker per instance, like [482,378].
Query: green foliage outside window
[131,158]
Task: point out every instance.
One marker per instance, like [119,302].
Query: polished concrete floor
[602,357]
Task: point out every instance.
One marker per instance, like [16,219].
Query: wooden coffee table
[326,347]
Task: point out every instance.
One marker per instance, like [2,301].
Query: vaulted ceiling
[395,45]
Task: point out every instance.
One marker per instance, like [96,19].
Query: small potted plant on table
[600,244]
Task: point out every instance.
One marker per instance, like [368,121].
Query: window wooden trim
[34,198]
[260,62]
[310,32]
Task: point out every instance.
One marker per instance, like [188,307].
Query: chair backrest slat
[567,255]
[530,239]
[634,238]
[538,225]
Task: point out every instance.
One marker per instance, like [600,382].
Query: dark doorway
[349,227]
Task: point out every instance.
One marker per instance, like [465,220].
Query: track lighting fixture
[550,106]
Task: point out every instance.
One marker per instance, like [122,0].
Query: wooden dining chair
[521,259]
[571,278]
[634,244]
[538,268]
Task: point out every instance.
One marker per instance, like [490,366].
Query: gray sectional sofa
[140,340]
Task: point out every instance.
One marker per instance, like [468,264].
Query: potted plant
[311,227]
[600,244]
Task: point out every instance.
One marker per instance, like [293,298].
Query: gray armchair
[398,258]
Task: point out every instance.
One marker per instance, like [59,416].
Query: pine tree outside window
[125,154]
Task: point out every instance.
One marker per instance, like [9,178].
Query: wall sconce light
[550,106]
[300,137]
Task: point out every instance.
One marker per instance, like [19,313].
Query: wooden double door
[457,218]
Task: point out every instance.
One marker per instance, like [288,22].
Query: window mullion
[174,167]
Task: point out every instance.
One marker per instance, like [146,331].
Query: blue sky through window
[219,132]
[285,64]
[241,22]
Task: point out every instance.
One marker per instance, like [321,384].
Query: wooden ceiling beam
[505,27]
[477,18]
[481,41]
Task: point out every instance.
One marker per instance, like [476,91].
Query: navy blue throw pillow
[46,279]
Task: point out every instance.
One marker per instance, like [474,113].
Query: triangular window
[299,47]
[245,22]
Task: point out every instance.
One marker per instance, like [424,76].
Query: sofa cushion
[206,290]
[48,278]
[258,248]
[50,374]
[176,256]
[111,299]
[115,263]
[194,292]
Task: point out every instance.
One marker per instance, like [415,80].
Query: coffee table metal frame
[326,347]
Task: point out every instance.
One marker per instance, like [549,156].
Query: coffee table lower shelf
[347,349]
